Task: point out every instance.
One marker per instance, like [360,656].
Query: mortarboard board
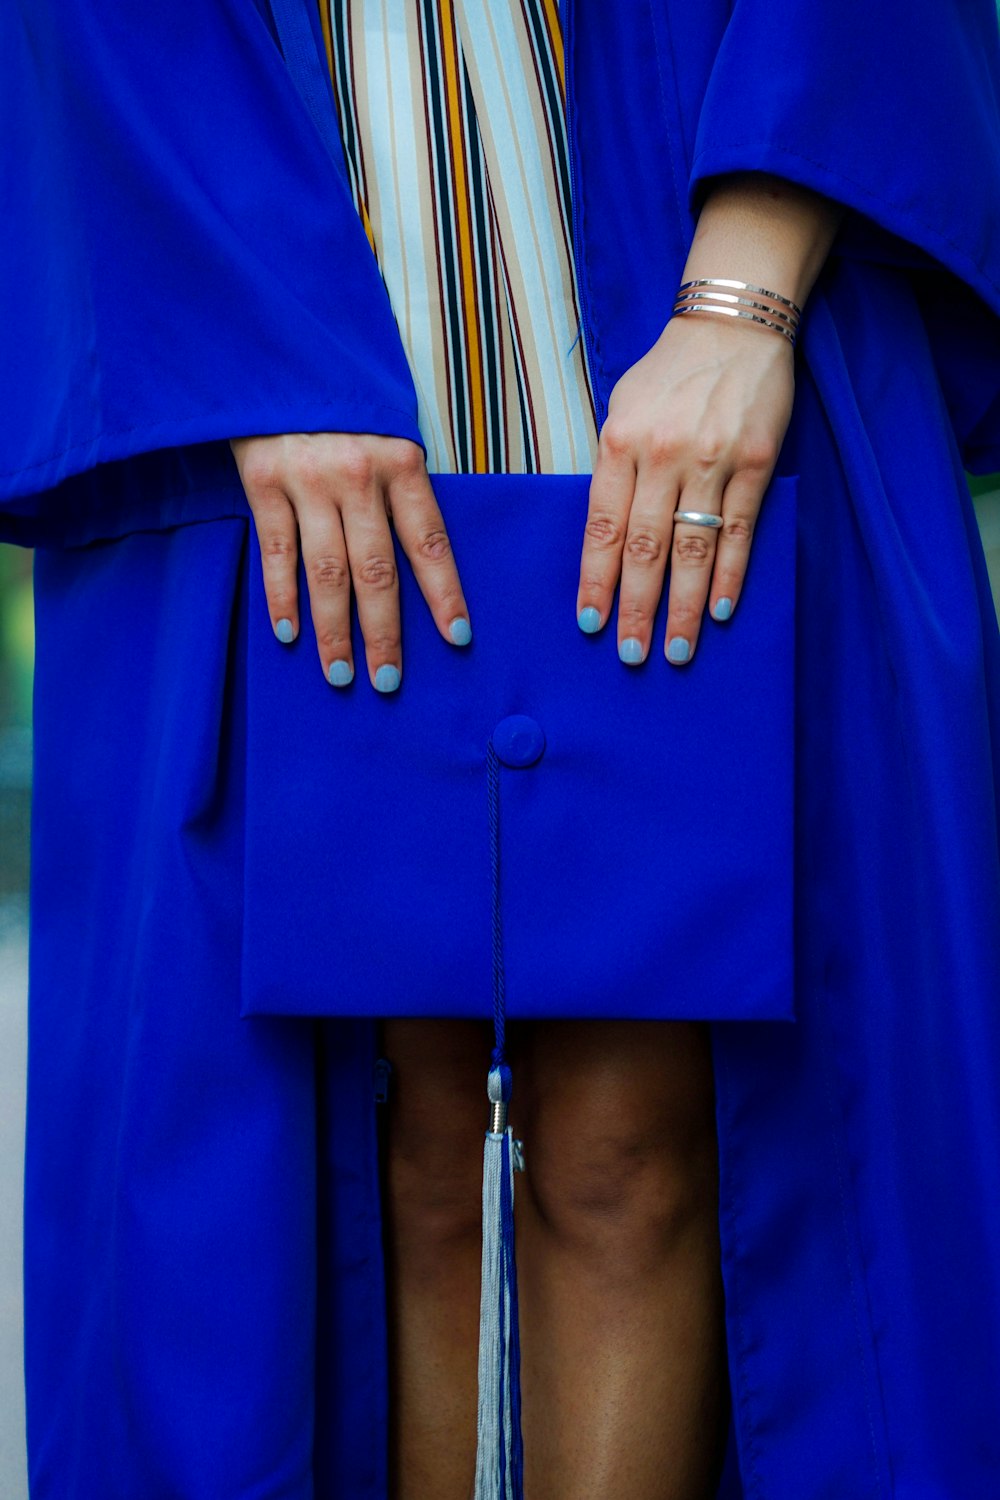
[645,812]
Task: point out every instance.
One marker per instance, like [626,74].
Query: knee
[433,1173]
[434,1194]
[622,1195]
[437,1113]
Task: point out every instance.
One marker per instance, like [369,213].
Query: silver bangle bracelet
[707,302]
[732,299]
[745,286]
[696,307]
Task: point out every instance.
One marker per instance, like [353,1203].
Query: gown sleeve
[894,111]
[181,261]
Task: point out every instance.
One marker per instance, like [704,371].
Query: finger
[328,577]
[611,491]
[374,574]
[692,555]
[644,560]
[741,504]
[419,524]
[278,538]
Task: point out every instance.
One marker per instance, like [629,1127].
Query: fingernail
[285,631]
[679,649]
[630,649]
[460,630]
[387,678]
[589,619]
[340,673]
[723,609]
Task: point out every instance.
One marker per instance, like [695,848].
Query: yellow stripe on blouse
[452,116]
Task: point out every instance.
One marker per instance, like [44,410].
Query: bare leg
[623,1353]
[433,1212]
[623,1347]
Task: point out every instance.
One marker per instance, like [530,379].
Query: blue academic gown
[181,263]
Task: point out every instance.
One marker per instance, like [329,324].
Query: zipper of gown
[383,1072]
[381,1076]
[381,1079]
[568,9]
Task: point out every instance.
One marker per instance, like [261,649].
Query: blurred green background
[17,643]
[986,498]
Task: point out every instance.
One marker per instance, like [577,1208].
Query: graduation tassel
[499,1456]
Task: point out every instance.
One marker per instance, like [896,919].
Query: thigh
[438,1112]
[651,1075]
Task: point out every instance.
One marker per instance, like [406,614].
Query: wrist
[765,230]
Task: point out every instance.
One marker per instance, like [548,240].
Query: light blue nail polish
[589,619]
[723,609]
[387,678]
[460,631]
[341,673]
[630,649]
[285,631]
[679,649]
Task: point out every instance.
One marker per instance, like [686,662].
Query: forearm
[766,230]
[697,424]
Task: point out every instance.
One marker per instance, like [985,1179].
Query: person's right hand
[339,491]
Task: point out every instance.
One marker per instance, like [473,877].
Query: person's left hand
[696,424]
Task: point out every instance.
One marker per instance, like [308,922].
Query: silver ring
[697,517]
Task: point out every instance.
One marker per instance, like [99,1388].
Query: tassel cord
[499,1451]
[496,925]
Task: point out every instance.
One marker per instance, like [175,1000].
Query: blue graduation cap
[526,826]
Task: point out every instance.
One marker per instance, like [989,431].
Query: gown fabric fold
[204,1295]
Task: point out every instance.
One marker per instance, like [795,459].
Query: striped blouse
[452,115]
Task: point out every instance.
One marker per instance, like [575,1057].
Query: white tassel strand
[499,1459]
